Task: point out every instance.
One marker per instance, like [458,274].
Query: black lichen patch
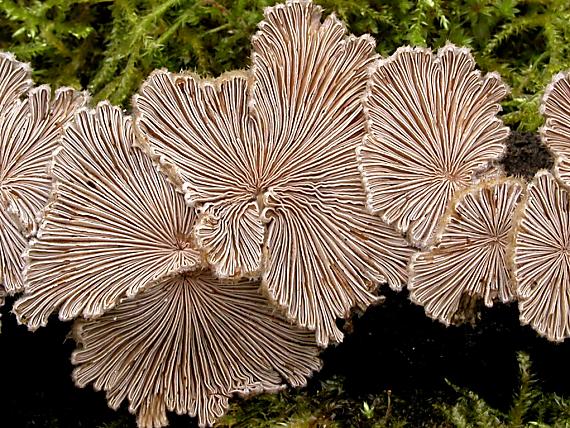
[526,155]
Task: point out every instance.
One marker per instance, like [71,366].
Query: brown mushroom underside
[31,123]
[541,258]
[468,261]
[113,225]
[187,345]
[555,133]
[268,158]
[432,124]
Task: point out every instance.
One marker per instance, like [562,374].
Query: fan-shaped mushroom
[112,227]
[269,157]
[468,259]
[187,345]
[431,125]
[115,245]
[541,258]
[556,131]
[31,122]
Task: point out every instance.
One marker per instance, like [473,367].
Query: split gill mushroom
[189,344]
[431,127]
[111,227]
[468,261]
[31,122]
[541,258]
[268,159]
[154,326]
[555,133]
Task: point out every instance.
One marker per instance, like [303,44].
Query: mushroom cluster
[115,250]
[429,163]
[267,158]
[31,123]
[228,279]
[541,247]
[206,245]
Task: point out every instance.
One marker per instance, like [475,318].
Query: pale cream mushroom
[468,260]
[113,225]
[115,244]
[268,157]
[432,125]
[555,133]
[187,345]
[31,123]
[541,258]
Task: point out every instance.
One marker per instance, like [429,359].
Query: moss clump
[325,404]
[328,405]
[530,406]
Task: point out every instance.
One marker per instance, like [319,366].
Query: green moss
[324,405]
[329,405]
[530,406]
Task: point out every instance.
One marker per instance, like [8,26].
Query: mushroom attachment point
[268,157]
[432,125]
[112,227]
[31,123]
[541,258]
[468,261]
[555,133]
[187,345]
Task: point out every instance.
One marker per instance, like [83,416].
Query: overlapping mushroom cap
[268,157]
[113,225]
[468,260]
[115,245]
[31,122]
[556,132]
[541,258]
[187,345]
[431,125]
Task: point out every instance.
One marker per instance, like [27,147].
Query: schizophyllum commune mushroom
[31,122]
[268,158]
[158,328]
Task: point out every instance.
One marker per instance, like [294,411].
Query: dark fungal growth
[268,159]
[526,155]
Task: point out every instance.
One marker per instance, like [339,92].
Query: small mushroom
[187,345]
[16,80]
[203,126]
[432,125]
[468,260]
[556,131]
[31,123]
[268,158]
[113,225]
[541,258]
